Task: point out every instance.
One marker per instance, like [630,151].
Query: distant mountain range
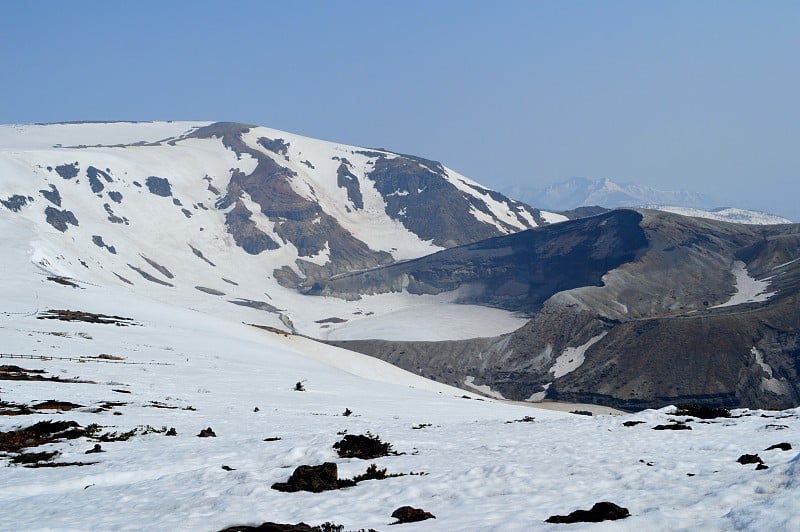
[583,192]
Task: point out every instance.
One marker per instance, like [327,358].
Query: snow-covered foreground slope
[486,465]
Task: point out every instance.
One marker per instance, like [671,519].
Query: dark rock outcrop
[160,186]
[315,479]
[60,218]
[601,511]
[419,194]
[296,219]
[781,446]
[749,459]
[346,180]
[16,202]
[409,514]
[52,195]
[518,272]
[67,171]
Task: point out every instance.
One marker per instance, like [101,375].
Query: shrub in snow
[364,446]
[702,412]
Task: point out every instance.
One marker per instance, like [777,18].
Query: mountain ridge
[579,192]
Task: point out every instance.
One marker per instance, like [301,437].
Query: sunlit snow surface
[192,166]
[729,214]
[486,469]
[748,290]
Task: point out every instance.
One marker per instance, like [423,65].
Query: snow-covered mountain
[584,192]
[151,273]
[726,214]
[581,191]
[238,219]
[101,410]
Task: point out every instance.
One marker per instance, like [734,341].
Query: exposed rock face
[52,195]
[159,186]
[296,219]
[68,171]
[16,202]
[60,218]
[516,272]
[659,326]
[418,194]
[345,179]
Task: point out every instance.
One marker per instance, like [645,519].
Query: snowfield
[30,157]
[748,290]
[480,464]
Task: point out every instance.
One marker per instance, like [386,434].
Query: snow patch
[728,214]
[572,357]
[486,390]
[769,383]
[552,217]
[539,396]
[748,289]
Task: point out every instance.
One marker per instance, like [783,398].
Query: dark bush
[702,412]
[362,446]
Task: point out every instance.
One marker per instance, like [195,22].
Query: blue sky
[695,95]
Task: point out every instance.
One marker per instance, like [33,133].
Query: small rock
[274,527]
[782,446]
[632,423]
[256,409]
[409,514]
[601,511]
[95,449]
[759,467]
[207,433]
[228,468]
[749,459]
[171,432]
[673,426]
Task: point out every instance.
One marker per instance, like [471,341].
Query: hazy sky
[695,95]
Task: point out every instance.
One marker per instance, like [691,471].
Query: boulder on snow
[601,511]
[409,514]
[207,433]
[749,459]
[311,478]
[782,446]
